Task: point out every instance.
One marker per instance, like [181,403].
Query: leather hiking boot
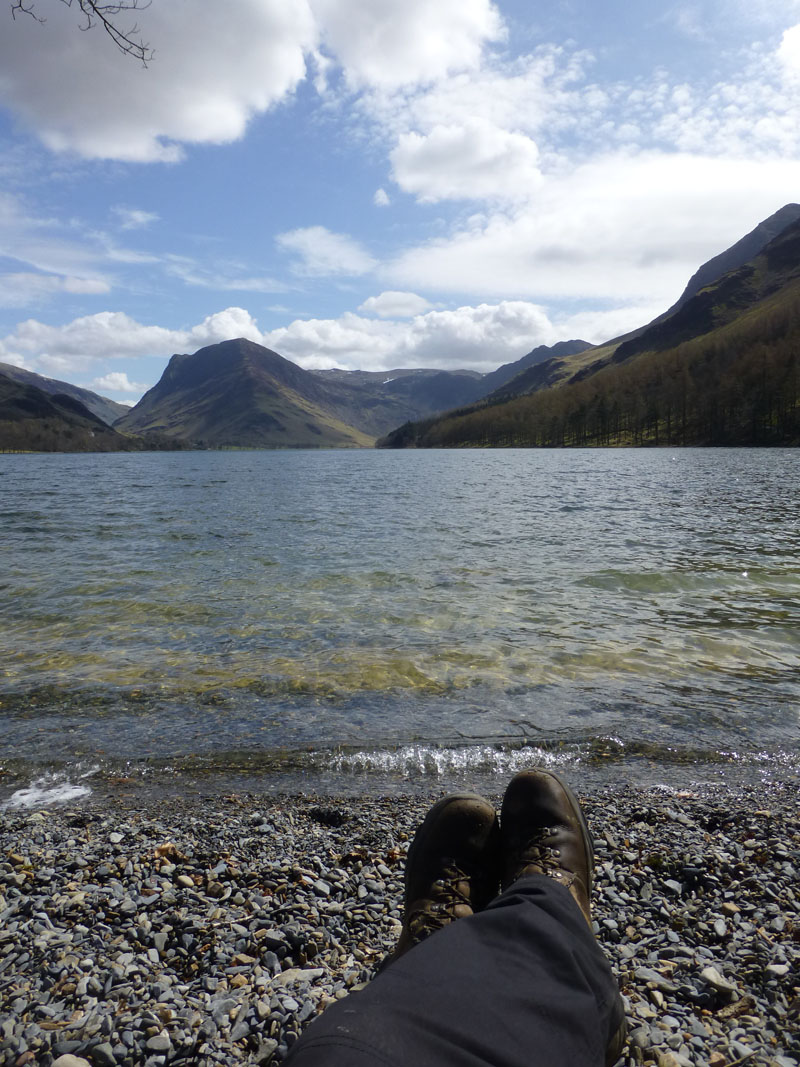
[545,832]
[453,867]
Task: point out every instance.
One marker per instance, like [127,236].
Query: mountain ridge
[108,410]
[722,369]
[237,393]
[32,419]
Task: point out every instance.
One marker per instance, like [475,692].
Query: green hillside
[32,420]
[721,370]
[107,410]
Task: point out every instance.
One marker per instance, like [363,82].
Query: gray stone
[658,981]
[159,1043]
[103,1055]
[718,981]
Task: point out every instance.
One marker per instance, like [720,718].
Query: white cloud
[476,160]
[14,360]
[223,326]
[788,55]
[598,325]
[321,252]
[626,229]
[389,44]
[24,288]
[478,338]
[395,305]
[381,198]
[216,66]
[134,218]
[530,94]
[118,382]
[107,335]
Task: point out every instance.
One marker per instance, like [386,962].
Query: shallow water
[377,620]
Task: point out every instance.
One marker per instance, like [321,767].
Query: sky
[374,184]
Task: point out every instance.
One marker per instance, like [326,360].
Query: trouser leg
[521,984]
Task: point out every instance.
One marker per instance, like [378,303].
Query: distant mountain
[240,394]
[416,389]
[722,368]
[512,378]
[34,420]
[107,410]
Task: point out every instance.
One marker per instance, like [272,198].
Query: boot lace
[537,853]
[448,894]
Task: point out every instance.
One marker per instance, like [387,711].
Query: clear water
[356,620]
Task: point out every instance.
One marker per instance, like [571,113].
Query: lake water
[359,621]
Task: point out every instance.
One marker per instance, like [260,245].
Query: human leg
[522,983]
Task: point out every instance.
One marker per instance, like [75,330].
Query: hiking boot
[544,831]
[452,868]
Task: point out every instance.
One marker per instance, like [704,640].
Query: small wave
[51,788]
[415,760]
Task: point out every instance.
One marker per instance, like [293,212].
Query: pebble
[211,932]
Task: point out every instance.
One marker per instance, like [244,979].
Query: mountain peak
[738,254]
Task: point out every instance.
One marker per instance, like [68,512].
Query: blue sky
[378,183]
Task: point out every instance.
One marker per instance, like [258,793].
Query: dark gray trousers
[521,984]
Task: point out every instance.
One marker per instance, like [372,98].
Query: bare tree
[96,13]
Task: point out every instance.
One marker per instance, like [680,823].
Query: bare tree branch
[95,12]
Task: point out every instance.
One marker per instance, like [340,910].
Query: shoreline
[210,930]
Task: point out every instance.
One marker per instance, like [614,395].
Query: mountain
[34,420]
[722,368]
[240,394]
[738,254]
[107,410]
[412,390]
[566,366]
[512,377]
[776,266]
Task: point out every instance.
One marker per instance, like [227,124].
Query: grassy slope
[735,384]
[723,365]
[266,421]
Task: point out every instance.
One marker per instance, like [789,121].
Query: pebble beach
[212,931]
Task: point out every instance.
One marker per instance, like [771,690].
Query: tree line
[735,386]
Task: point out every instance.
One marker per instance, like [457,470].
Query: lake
[355,621]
